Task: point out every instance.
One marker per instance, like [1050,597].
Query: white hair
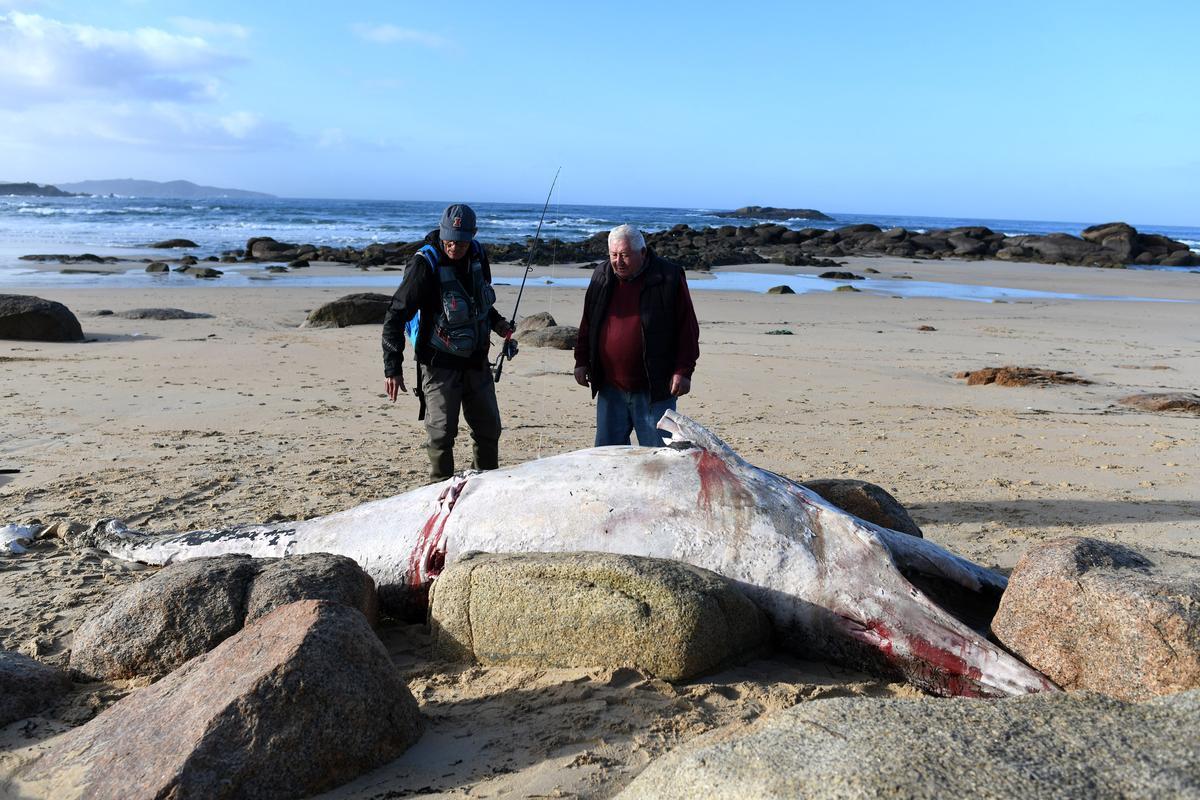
[629,234]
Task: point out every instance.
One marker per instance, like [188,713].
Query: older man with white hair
[638,340]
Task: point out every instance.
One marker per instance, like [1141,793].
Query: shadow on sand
[1054,512]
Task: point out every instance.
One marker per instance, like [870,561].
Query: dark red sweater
[621,351]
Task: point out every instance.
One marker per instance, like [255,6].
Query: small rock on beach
[1019,376]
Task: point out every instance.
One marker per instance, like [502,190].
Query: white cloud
[215,30]
[393,34]
[169,127]
[45,61]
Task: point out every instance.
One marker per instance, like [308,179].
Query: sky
[1044,110]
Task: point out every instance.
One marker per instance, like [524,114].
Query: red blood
[714,477]
[941,667]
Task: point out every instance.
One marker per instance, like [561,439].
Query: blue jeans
[618,413]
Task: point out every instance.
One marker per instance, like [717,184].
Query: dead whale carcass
[834,585]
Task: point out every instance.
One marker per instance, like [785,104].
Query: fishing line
[546,376]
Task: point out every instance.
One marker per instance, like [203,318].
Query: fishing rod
[510,347]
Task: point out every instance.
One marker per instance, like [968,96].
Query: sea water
[113,225]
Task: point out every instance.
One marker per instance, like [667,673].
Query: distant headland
[32,190]
[770,212]
[135,188]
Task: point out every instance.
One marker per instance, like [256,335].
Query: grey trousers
[472,390]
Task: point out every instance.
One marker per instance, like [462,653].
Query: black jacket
[420,290]
[667,320]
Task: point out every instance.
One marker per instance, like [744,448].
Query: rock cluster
[187,609]
[302,701]
[542,330]
[1114,244]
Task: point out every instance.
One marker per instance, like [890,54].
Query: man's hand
[393,385]
[581,376]
[680,385]
[510,349]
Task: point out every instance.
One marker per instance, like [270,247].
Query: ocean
[113,224]
[124,226]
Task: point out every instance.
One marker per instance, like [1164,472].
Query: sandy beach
[245,416]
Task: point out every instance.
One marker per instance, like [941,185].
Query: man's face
[455,250]
[626,261]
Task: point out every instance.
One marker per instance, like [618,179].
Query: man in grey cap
[445,306]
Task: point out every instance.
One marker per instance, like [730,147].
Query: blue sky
[1047,110]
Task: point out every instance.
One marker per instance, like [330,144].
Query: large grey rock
[865,501]
[1045,746]
[267,249]
[188,608]
[1119,237]
[535,322]
[672,620]
[559,337]
[27,686]
[201,272]
[305,699]
[32,318]
[1103,616]
[363,308]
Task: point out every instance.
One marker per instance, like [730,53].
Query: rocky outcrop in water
[1109,245]
[168,244]
[33,190]
[771,212]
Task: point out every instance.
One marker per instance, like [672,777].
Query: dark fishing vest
[461,327]
[660,333]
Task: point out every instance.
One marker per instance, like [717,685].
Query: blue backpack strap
[413,326]
[431,255]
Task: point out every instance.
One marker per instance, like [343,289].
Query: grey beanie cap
[458,223]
